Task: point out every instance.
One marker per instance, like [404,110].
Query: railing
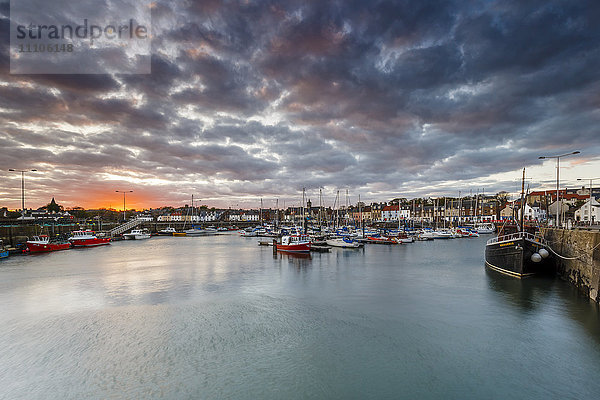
[518,235]
[125,227]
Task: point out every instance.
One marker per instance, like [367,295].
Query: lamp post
[590,207]
[124,191]
[558,157]
[22,187]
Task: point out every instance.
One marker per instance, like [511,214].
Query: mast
[360,215]
[277,214]
[459,208]
[435,205]
[522,205]
[337,200]
[347,207]
[303,216]
[476,204]
[398,214]
[320,196]
[445,212]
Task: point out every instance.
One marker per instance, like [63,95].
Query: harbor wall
[580,261]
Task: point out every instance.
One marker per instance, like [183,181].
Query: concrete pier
[578,261]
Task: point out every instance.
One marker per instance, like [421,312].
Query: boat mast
[360,216]
[476,206]
[260,212]
[337,200]
[435,212]
[459,208]
[522,206]
[303,217]
[445,212]
[320,196]
[398,214]
[277,214]
[347,209]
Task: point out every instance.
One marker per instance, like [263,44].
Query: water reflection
[221,317]
[527,294]
[300,261]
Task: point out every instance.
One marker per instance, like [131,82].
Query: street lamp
[124,191]
[22,186]
[590,207]
[558,157]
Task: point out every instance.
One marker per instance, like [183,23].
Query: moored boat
[519,254]
[43,244]
[467,232]
[518,250]
[137,234]
[425,235]
[485,228]
[294,244]
[379,240]
[168,231]
[443,234]
[248,232]
[344,242]
[87,239]
[195,232]
[3,250]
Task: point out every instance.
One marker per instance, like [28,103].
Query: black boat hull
[513,257]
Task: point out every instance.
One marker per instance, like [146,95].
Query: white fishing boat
[137,234]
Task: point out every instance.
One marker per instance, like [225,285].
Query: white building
[210,216]
[178,218]
[583,213]
[250,216]
[533,213]
[391,213]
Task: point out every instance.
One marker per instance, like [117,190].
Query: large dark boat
[518,251]
[519,254]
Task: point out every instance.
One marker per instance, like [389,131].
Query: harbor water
[222,318]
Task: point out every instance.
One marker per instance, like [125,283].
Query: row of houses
[574,204]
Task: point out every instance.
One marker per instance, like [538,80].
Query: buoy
[536,258]
[544,253]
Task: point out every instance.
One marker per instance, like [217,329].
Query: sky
[259,99]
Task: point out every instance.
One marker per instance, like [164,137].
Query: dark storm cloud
[258,98]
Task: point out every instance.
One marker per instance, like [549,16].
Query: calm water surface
[222,318]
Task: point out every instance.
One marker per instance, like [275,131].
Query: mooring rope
[563,257]
[567,258]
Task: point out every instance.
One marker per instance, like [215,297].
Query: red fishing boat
[87,239]
[42,244]
[294,244]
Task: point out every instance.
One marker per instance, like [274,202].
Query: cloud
[250,99]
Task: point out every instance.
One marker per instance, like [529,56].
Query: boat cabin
[294,239]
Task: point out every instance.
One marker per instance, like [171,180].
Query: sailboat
[193,231]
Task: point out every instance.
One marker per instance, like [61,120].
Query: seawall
[578,261]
